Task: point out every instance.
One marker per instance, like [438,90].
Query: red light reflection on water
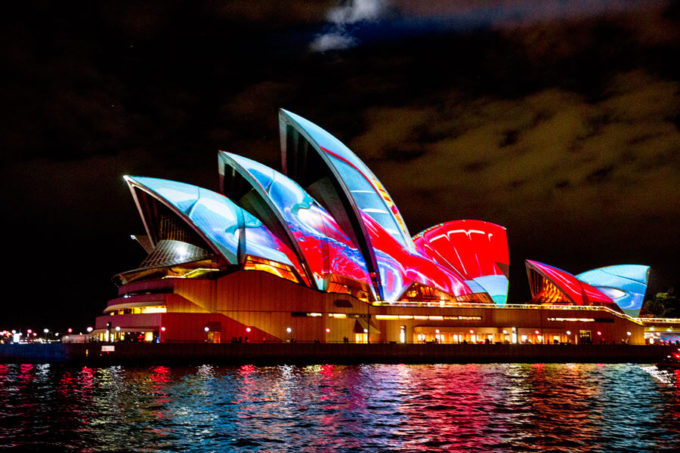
[27,374]
[160,376]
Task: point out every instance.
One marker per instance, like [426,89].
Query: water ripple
[500,407]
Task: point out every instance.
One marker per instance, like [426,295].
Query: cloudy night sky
[557,119]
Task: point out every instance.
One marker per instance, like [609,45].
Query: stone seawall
[280,353]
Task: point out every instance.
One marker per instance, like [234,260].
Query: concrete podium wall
[280,353]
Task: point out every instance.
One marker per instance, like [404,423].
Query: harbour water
[500,407]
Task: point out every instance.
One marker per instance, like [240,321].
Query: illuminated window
[154,309]
[572,319]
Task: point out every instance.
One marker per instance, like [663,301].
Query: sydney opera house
[320,253]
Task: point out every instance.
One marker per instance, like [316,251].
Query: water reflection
[381,407]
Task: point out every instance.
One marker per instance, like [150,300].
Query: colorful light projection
[365,189]
[402,271]
[328,251]
[626,284]
[475,249]
[391,250]
[229,230]
[550,285]
[281,226]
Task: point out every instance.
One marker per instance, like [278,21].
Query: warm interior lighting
[154,309]
[572,319]
[548,292]
[254,263]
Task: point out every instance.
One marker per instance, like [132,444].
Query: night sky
[557,119]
